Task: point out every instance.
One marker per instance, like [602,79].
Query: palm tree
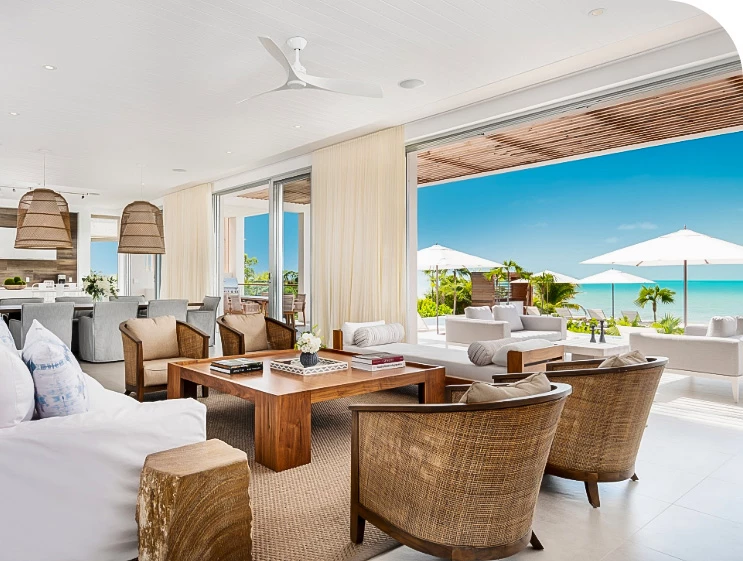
[497,275]
[669,324]
[511,264]
[461,272]
[554,294]
[654,295]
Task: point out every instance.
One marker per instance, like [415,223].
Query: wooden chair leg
[358,525]
[204,391]
[634,477]
[592,491]
[140,394]
[535,543]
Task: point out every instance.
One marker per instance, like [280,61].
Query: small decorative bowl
[14,286]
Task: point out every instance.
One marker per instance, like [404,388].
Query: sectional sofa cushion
[350,328]
[509,313]
[6,339]
[482,392]
[16,389]
[739,325]
[722,326]
[253,328]
[158,335]
[626,359]
[501,355]
[59,381]
[481,352]
[478,312]
[378,335]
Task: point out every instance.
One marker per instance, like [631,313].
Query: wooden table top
[277,382]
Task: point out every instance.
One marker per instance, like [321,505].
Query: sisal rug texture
[302,514]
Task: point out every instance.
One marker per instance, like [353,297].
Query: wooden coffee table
[283,412]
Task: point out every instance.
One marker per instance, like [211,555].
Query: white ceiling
[154,82]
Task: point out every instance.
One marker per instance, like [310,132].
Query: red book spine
[387,360]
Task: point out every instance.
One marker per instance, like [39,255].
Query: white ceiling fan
[298,79]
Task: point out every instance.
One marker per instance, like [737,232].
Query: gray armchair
[56,317]
[100,340]
[138,299]
[175,308]
[205,318]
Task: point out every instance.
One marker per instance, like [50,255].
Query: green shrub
[427,308]
[14,281]
[9,281]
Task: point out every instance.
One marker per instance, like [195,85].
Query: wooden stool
[193,504]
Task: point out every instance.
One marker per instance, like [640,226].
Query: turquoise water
[706,298]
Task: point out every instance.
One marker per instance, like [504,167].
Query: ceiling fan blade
[284,87]
[339,85]
[275,51]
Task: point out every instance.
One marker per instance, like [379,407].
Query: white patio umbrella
[684,247]
[438,257]
[612,277]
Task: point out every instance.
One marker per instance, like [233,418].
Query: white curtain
[359,231]
[188,263]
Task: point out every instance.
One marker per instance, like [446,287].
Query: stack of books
[377,361]
[237,366]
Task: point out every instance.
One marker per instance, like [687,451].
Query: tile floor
[687,505]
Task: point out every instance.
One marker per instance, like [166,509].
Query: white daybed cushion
[349,329]
[378,335]
[509,313]
[455,361]
[481,353]
[722,326]
[533,334]
[501,355]
[478,312]
[16,389]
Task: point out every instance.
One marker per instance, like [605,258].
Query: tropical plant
[654,295]
[584,326]
[427,308]
[669,325]
[15,281]
[496,276]
[249,264]
[98,286]
[550,295]
[625,322]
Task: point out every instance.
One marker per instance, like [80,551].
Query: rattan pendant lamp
[141,228]
[43,220]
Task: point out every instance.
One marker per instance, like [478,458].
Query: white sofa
[464,331]
[69,484]
[695,353]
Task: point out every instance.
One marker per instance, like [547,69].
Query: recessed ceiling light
[179,170]
[597,12]
[411,83]
[297,126]
[13,113]
[49,67]
[229,151]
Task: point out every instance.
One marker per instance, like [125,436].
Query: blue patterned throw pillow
[6,339]
[58,379]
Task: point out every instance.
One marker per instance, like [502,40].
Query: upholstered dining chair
[150,344]
[243,333]
[300,301]
[173,307]
[205,318]
[99,337]
[55,316]
[287,307]
[138,299]
[601,427]
[456,480]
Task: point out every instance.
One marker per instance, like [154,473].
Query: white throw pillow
[16,389]
[6,339]
[378,335]
[349,329]
[509,313]
[501,355]
[739,328]
[722,326]
[481,353]
[59,381]
[478,312]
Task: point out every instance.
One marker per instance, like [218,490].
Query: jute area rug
[302,514]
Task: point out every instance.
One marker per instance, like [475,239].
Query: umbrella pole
[612,299]
[686,293]
[437,299]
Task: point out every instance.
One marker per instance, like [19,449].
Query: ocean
[707,298]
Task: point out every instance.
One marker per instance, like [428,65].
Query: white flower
[309,343]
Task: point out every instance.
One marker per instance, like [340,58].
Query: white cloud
[638,226]
[612,239]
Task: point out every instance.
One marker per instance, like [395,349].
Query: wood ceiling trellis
[296,192]
[693,110]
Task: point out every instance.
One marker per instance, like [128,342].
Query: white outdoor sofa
[464,331]
[695,353]
[69,484]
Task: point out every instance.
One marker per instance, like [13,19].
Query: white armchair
[463,331]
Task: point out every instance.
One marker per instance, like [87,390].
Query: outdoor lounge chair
[597,314]
[567,313]
[632,315]
[603,421]
[532,311]
[453,480]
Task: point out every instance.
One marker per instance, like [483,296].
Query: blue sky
[553,217]
[256,240]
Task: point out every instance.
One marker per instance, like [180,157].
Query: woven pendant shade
[43,221]
[141,229]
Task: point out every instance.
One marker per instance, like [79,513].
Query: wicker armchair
[279,336]
[603,422]
[139,371]
[455,481]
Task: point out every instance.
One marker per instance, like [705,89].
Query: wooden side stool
[193,504]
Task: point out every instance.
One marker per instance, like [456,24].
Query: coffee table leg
[432,390]
[283,430]
[177,386]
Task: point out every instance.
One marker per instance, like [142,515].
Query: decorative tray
[323,366]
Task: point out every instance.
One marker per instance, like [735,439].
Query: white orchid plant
[309,342]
